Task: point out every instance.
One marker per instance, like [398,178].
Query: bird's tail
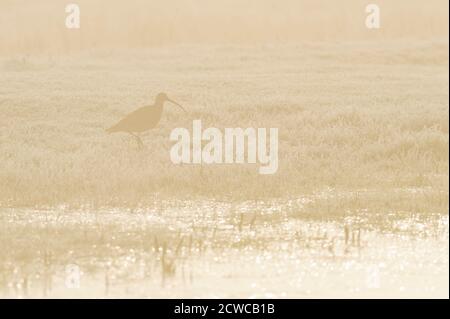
[112,129]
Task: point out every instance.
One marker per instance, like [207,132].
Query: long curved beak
[172,101]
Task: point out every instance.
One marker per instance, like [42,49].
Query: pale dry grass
[350,116]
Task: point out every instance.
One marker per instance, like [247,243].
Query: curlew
[143,119]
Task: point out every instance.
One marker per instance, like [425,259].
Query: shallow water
[217,249]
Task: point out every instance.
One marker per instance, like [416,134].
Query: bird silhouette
[143,119]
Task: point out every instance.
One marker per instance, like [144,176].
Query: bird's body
[142,119]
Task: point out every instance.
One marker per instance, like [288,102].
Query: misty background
[28,27]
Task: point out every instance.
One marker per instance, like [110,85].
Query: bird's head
[162,97]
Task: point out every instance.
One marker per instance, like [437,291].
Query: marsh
[358,205]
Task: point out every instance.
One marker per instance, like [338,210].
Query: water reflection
[217,249]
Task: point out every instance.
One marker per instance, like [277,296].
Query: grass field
[363,142]
[357,208]
[350,116]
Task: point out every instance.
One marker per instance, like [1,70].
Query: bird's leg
[138,140]
[140,143]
